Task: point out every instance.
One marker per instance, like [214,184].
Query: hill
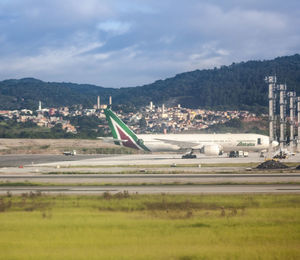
[238,86]
[25,93]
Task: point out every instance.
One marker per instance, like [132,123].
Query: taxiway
[153,178]
[143,173]
[174,189]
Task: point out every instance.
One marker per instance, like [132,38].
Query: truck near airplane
[209,144]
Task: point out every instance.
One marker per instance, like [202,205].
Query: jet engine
[211,149]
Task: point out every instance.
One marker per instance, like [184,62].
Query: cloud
[49,59]
[115,27]
[127,43]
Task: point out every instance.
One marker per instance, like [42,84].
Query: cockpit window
[258,141]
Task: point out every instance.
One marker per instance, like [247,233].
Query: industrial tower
[283,103]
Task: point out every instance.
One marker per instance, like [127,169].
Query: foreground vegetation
[123,226]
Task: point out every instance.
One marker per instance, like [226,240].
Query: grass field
[123,226]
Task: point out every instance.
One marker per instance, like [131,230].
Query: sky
[124,43]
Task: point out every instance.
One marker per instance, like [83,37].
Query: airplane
[209,144]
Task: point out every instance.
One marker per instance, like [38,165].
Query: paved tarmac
[154,178]
[173,189]
[16,160]
[143,163]
[35,168]
[164,159]
[154,159]
[121,160]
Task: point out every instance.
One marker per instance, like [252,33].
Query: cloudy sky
[118,43]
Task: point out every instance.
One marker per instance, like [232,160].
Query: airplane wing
[182,144]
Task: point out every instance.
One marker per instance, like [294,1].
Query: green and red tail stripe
[121,131]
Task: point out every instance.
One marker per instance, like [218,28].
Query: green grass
[123,226]
[108,150]
[17,184]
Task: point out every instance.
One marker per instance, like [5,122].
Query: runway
[153,178]
[143,173]
[167,189]
[162,159]
[33,159]
[138,163]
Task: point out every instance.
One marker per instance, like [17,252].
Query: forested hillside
[238,86]
[25,93]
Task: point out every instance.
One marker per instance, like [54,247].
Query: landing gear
[190,155]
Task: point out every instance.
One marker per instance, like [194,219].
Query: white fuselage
[226,142]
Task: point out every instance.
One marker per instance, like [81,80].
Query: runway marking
[288,189]
[146,176]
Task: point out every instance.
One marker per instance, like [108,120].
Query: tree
[143,122]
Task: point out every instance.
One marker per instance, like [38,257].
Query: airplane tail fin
[122,134]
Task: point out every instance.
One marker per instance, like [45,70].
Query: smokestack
[282,104]
[271,80]
[40,105]
[163,108]
[298,122]
[98,102]
[292,96]
[151,105]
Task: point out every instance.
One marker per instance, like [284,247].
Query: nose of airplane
[275,143]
